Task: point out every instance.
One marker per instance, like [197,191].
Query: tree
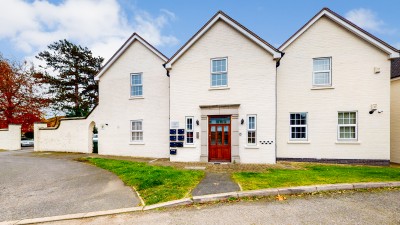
[71,85]
[20,97]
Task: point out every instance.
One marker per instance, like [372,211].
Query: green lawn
[315,174]
[154,183]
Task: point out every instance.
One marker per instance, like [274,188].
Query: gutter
[169,101]
[278,63]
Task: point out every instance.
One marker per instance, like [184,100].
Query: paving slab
[195,167]
[214,183]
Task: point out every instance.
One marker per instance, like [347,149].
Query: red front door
[219,138]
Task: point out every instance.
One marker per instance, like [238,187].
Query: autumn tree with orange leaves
[20,97]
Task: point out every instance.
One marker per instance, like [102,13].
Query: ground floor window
[137,130]
[347,125]
[189,130]
[251,129]
[298,126]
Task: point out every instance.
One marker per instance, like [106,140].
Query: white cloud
[149,27]
[100,25]
[368,20]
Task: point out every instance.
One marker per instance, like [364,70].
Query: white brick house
[395,112]
[229,96]
[331,75]
[220,67]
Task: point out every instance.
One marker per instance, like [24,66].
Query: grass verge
[154,183]
[315,174]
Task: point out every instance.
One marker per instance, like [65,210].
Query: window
[298,126]
[251,129]
[347,125]
[136,85]
[189,130]
[322,75]
[219,72]
[136,130]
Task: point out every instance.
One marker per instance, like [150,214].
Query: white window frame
[322,71]
[347,125]
[298,125]
[136,131]
[254,129]
[189,130]
[212,72]
[136,85]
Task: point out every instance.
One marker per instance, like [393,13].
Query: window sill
[251,147]
[218,88]
[134,98]
[322,88]
[136,143]
[298,142]
[348,142]
[189,146]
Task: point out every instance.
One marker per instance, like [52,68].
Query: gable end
[122,49]
[233,23]
[383,46]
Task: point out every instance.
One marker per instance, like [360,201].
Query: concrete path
[32,187]
[353,208]
[215,183]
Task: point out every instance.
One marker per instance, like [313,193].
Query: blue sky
[27,27]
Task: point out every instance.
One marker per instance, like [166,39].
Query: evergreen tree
[69,77]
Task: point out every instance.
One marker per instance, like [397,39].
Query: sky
[28,27]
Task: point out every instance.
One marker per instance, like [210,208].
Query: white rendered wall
[70,136]
[251,82]
[116,108]
[395,122]
[10,138]
[355,88]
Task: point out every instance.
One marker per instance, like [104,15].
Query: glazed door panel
[219,139]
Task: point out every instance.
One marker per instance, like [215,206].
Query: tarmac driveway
[33,187]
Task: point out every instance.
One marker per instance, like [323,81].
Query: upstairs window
[136,85]
[219,72]
[251,129]
[189,130]
[322,72]
[347,126]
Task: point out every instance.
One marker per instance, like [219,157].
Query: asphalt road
[32,187]
[355,208]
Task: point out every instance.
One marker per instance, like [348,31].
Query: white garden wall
[10,138]
[72,135]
